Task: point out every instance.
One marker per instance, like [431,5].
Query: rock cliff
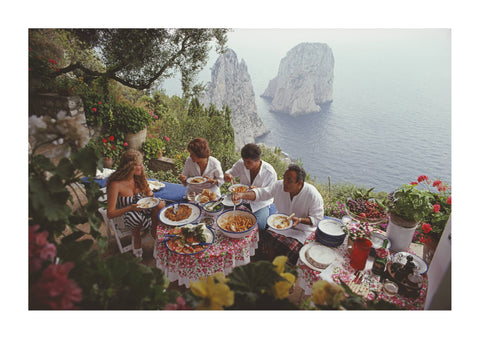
[304,81]
[231,85]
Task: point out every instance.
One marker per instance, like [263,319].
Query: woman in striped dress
[124,188]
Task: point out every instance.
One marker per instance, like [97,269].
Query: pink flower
[39,249]
[167,138]
[125,144]
[426,227]
[436,208]
[94,109]
[180,305]
[99,102]
[54,290]
[422,178]
[156,116]
[441,188]
[149,135]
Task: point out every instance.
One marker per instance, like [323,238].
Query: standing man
[291,195]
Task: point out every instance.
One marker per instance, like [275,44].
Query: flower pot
[135,140]
[400,232]
[108,162]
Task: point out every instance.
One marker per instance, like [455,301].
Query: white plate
[199,196]
[303,257]
[155,185]
[148,202]
[193,180]
[196,212]
[233,187]
[228,201]
[275,218]
[401,257]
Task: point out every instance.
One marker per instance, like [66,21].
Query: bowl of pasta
[236,224]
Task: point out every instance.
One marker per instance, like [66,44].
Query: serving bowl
[216,210]
[330,232]
[224,219]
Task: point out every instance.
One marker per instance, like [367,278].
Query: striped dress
[132,219]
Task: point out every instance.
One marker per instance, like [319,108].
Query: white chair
[122,234]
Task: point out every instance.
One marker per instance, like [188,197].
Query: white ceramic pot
[135,140]
[400,233]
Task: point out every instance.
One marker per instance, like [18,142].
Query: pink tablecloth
[342,270]
[222,256]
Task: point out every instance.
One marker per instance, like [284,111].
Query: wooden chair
[122,234]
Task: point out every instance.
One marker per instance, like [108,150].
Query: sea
[390,118]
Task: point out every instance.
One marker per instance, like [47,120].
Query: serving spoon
[211,207]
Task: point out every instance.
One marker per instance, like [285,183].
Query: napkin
[103,174]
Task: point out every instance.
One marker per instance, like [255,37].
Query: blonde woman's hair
[127,164]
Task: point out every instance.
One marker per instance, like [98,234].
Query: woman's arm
[112,196]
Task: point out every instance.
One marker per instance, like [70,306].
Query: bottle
[379,264]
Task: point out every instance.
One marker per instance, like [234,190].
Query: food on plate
[206,196]
[236,223]
[320,256]
[184,211]
[197,180]
[280,222]
[147,202]
[366,209]
[215,208]
[239,188]
[191,238]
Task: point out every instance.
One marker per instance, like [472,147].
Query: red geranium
[111,138]
[436,208]
[422,178]
[426,227]
[94,109]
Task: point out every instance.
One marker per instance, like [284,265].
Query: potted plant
[407,206]
[110,149]
[153,148]
[132,121]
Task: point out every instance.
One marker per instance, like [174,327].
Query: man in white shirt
[254,172]
[292,195]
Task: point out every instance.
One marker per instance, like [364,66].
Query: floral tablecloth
[341,270]
[224,254]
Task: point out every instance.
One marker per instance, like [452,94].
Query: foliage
[131,119]
[119,282]
[152,147]
[274,157]
[410,203]
[98,111]
[256,286]
[137,58]
[433,224]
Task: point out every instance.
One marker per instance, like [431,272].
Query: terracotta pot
[108,162]
[400,232]
[135,140]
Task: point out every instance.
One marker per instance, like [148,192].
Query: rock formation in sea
[304,81]
[231,85]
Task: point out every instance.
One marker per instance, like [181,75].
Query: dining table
[223,255]
[369,287]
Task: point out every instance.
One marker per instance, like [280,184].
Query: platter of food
[366,210]
[205,196]
[280,221]
[155,185]
[238,188]
[190,239]
[179,214]
[196,180]
[148,202]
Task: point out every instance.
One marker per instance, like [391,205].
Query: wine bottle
[380,262]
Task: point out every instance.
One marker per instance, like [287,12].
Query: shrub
[131,119]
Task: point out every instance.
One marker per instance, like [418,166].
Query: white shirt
[307,203]
[266,176]
[213,170]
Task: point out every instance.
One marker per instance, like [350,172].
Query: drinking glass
[360,252]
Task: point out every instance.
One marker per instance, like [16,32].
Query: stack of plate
[330,232]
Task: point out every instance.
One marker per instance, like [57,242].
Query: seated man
[292,195]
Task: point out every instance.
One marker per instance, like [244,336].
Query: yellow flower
[281,289]
[327,294]
[215,295]
[279,263]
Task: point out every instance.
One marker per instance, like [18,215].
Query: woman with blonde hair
[125,187]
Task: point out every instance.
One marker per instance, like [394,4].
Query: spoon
[285,223]
[211,207]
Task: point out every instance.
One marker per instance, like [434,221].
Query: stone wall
[51,104]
